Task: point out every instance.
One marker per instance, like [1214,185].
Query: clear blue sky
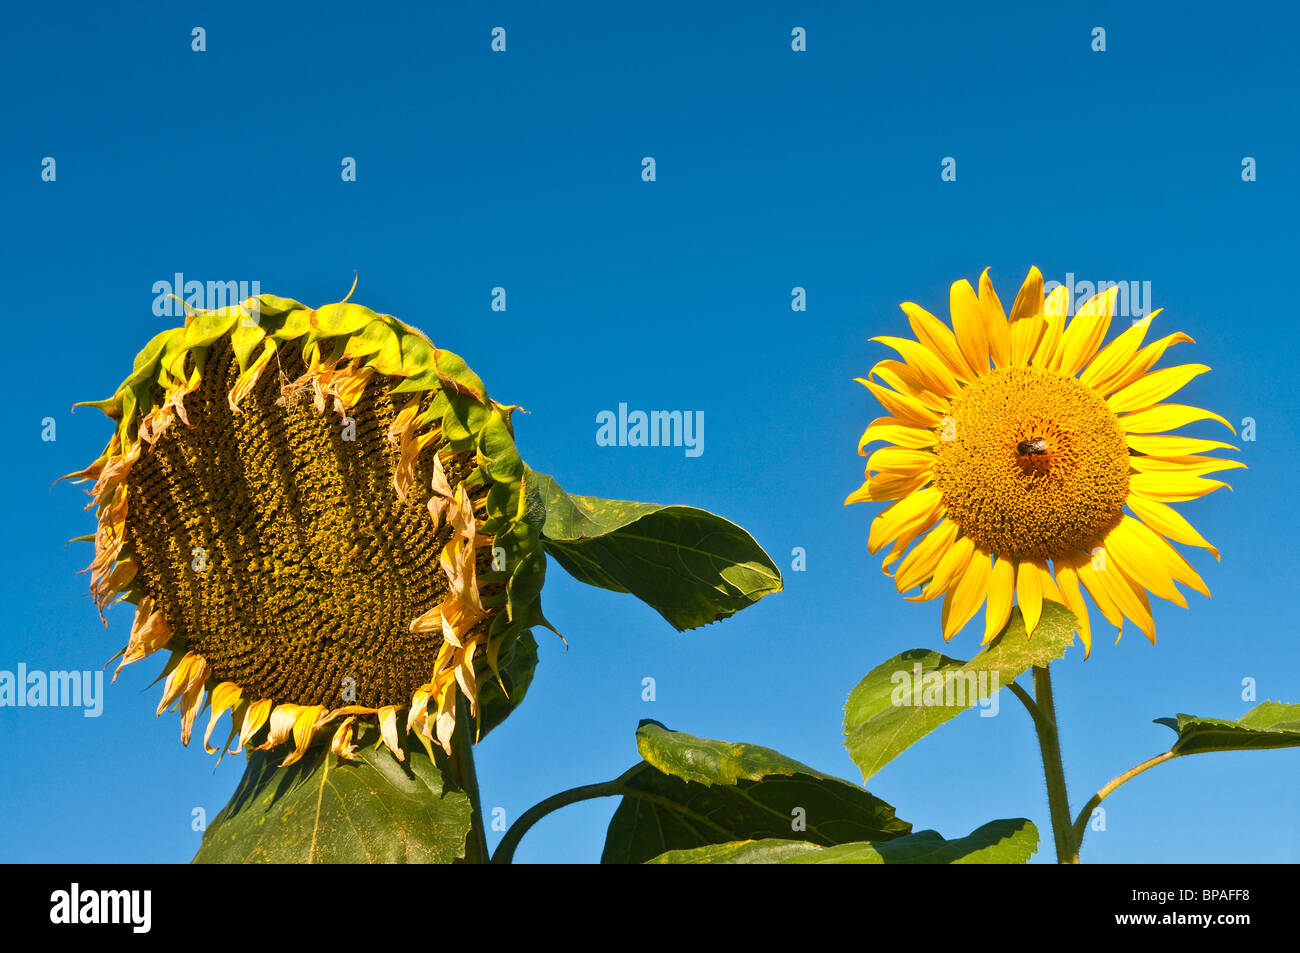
[775,169]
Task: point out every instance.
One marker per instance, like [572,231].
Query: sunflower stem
[1081,822]
[461,766]
[506,849]
[1027,700]
[1049,743]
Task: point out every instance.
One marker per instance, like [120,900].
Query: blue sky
[775,169]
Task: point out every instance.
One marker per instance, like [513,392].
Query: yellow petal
[995,322]
[191,671]
[439,482]
[1081,339]
[404,421]
[224,697]
[1194,465]
[905,380]
[1141,613]
[1171,487]
[1162,446]
[1168,559]
[254,718]
[1026,322]
[1067,581]
[282,721]
[349,385]
[1029,593]
[1153,388]
[965,599]
[149,633]
[1125,596]
[903,461]
[191,704]
[306,720]
[930,369]
[1142,563]
[968,323]
[1101,595]
[249,378]
[1001,592]
[1051,591]
[1115,356]
[907,409]
[880,489]
[1165,519]
[341,744]
[118,579]
[895,551]
[920,563]
[1054,323]
[936,336]
[1163,417]
[1142,362]
[952,564]
[388,731]
[465,675]
[918,510]
[888,430]
[905,539]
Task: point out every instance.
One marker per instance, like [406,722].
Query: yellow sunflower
[321,517]
[1014,444]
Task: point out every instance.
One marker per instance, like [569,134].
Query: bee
[1033,456]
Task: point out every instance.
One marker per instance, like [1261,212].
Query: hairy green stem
[1027,700]
[1049,743]
[505,852]
[1081,823]
[461,766]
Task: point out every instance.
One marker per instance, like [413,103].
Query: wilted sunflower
[1017,443]
[321,515]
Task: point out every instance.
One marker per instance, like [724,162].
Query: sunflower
[1014,445]
[321,517]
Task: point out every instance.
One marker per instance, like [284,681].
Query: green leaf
[1269,725]
[341,319]
[273,306]
[690,566]
[146,362]
[455,373]
[380,344]
[516,663]
[998,842]
[323,810]
[207,326]
[891,709]
[694,791]
[289,325]
[242,340]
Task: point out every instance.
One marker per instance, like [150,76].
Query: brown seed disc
[279,550]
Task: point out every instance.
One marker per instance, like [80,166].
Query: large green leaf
[517,661]
[998,842]
[904,699]
[689,565]
[1269,725]
[694,791]
[323,810]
